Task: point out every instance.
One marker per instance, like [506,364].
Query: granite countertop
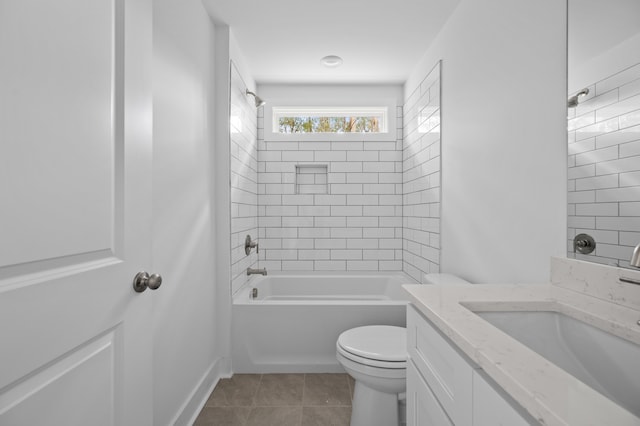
[547,392]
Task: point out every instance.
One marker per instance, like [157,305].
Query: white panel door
[75,191]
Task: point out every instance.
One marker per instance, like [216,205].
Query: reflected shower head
[258,100]
[572,102]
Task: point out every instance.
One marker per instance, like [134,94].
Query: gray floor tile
[275,416]
[326,416]
[238,391]
[223,416]
[280,390]
[326,389]
[280,400]
[352,384]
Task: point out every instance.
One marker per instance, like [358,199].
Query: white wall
[503,138]
[226,52]
[221,191]
[185,342]
[604,64]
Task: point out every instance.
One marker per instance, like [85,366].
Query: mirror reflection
[603,107]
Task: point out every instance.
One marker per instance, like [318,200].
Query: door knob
[142,280]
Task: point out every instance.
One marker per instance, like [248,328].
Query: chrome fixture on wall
[573,101]
[260,271]
[584,244]
[635,257]
[248,245]
[258,100]
[634,262]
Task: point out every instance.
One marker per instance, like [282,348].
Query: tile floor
[279,400]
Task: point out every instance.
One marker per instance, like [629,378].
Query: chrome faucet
[635,257]
[261,271]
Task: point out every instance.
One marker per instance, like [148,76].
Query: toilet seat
[380,346]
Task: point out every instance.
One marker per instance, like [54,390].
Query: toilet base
[373,408]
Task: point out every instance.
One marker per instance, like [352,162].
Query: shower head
[573,101]
[258,100]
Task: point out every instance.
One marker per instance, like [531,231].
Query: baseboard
[191,408]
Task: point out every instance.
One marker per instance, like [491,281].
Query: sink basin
[605,362]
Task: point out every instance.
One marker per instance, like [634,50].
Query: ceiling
[380,41]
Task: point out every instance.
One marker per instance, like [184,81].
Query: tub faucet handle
[248,245]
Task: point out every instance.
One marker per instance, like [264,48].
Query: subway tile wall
[604,168]
[244,179]
[421,178]
[355,226]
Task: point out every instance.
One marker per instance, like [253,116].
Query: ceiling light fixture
[331,61]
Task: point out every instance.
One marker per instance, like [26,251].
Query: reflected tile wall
[421,178]
[604,168]
[244,179]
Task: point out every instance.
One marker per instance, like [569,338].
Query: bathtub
[294,320]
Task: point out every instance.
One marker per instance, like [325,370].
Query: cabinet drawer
[422,406]
[447,373]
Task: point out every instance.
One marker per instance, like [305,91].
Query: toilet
[376,357]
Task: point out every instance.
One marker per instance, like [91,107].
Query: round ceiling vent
[331,61]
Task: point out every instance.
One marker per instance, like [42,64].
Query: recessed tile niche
[311,179]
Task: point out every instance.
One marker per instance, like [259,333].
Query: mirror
[604,128]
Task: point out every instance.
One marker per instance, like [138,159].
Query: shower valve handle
[248,245]
[584,244]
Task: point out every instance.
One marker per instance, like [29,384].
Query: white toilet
[376,357]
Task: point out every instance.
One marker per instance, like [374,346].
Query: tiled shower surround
[421,178]
[355,225]
[604,168]
[357,205]
[244,178]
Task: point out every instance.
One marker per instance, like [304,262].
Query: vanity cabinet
[490,408]
[446,388]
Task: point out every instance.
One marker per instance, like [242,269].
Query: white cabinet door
[75,191]
[491,409]
[423,408]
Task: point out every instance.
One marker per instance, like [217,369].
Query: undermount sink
[605,362]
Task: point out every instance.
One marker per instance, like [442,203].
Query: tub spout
[261,271]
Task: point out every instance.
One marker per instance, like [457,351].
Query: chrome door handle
[143,280]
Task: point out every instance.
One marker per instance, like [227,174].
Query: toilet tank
[443,279]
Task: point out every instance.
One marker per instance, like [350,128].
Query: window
[287,120]
[356,116]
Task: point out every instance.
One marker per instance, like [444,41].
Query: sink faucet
[635,257]
[261,271]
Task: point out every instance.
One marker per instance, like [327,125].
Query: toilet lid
[377,342]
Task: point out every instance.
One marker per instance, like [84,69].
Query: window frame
[389,131]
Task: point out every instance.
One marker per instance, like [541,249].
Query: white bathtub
[293,323]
